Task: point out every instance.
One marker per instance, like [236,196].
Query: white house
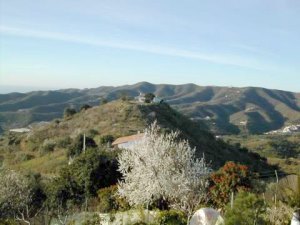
[141,98]
[127,142]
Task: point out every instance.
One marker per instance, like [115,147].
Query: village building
[141,98]
[127,142]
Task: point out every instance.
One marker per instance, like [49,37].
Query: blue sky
[53,44]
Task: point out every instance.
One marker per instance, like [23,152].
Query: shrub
[95,220]
[69,112]
[83,178]
[171,217]
[22,157]
[64,142]
[109,201]
[92,133]
[85,107]
[77,146]
[107,139]
[231,177]
[280,214]
[47,146]
[247,209]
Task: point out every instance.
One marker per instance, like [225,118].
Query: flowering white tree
[162,166]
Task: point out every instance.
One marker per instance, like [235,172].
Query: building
[127,142]
[20,130]
[141,98]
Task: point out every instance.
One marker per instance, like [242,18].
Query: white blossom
[162,166]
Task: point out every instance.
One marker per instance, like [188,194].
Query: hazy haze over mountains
[224,109]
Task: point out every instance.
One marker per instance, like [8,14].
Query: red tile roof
[126,139]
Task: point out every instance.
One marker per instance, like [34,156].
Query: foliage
[95,220]
[149,97]
[110,201]
[88,173]
[161,166]
[69,112]
[77,146]
[64,142]
[85,107]
[247,209]
[107,139]
[47,146]
[230,178]
[171,217]
[21,196]
[22,157]
[92,133]
[279,215]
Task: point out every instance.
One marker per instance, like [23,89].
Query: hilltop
[44,148]
[226,110]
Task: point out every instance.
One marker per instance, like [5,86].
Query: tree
[69,112]
[149,97]
[85,107]
[230,178]
[162,167]
[77,146]
[19,198]
[82,179]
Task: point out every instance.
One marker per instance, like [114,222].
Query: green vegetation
[281,150]
[231,178]
[229,110]
[248,209]
[63,181]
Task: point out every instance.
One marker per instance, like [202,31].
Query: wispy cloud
[233,60]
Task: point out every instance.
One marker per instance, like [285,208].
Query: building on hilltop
[141,98]
[144,98]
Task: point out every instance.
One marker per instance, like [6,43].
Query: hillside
[225,110]
[283,150]
[44,149]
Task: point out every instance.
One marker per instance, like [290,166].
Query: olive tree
[16,197]
[161,166]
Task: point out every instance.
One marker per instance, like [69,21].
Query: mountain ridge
[229,109]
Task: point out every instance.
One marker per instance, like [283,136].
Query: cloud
[232,60]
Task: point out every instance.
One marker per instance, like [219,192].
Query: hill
[44,149]
[225,110]
[283,150]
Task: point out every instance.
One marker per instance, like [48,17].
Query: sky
[52,44]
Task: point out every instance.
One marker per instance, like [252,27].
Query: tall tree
[162,167]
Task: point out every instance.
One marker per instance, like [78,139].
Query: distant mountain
[227,110]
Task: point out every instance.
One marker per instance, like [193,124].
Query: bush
[107,139]
[279,215]
[109,201]
[64,142]
[69,112]
[85,107]
[22,157]
[231,177]
[247,209]
[95,220]
[171,217]
[77,146]
[83,178]
[92,133]
[47,146]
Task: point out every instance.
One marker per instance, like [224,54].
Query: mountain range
[226,110]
